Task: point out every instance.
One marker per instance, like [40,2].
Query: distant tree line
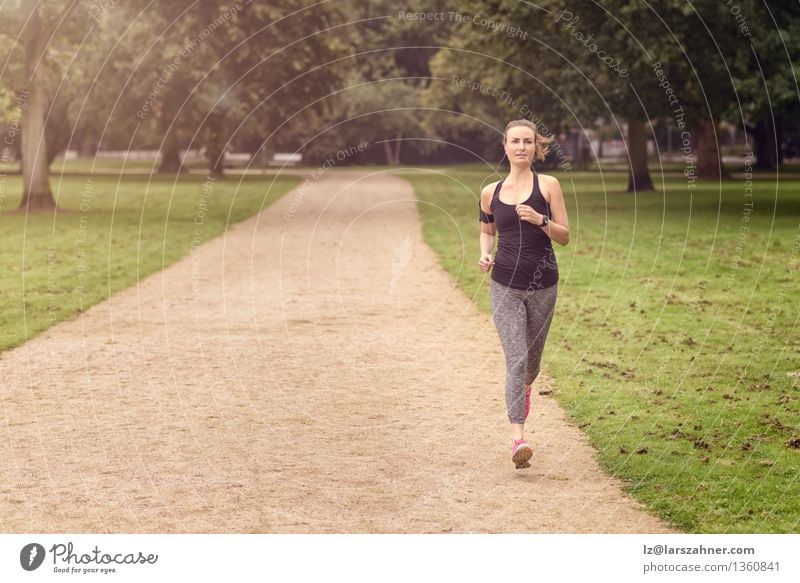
[425,82]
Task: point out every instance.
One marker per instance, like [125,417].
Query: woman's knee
[516,365]
[531,375]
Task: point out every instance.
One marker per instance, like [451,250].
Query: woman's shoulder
[488,191]
[490,187]
[547,183]
[547,179]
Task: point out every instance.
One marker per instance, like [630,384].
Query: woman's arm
[558,228]
[488,231]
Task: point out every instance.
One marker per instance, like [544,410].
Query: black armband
[484,217]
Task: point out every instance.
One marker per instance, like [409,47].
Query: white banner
[402,558]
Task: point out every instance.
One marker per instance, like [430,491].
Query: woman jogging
[527,211]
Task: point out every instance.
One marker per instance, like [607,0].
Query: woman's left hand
[526,213]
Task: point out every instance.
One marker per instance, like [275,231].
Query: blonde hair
[541,143]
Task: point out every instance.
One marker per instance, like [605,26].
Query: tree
[277,69]
[633,63]
[221,74]
[382,111]
[538,62]
[765,76]
[30,29]
[381,86]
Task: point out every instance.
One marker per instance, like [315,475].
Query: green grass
[116,230]
[675,343]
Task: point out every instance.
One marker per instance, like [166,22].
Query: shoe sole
[522,455]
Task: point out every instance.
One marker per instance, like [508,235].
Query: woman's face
[520,145]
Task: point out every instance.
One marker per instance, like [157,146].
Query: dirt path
[316,373]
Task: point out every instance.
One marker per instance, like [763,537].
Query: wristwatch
[545,221]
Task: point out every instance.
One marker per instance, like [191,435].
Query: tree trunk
[387,149]
[709,161]
[766,146]
[170,146]
[397,149]
[36,193]
[584,151]
[216,162]
[58,130]
[215,145]
[638,173]
[171,155]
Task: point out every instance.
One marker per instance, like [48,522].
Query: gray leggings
[522,318]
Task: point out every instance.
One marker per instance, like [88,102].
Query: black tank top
[525,257]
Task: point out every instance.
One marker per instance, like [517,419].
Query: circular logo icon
[31,556]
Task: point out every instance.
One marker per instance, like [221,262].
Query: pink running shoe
[521,453]
[528,402]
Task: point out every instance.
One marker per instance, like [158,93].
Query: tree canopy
[427,81]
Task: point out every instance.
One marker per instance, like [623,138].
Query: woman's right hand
[486,262]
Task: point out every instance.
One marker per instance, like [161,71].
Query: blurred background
[208,85]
